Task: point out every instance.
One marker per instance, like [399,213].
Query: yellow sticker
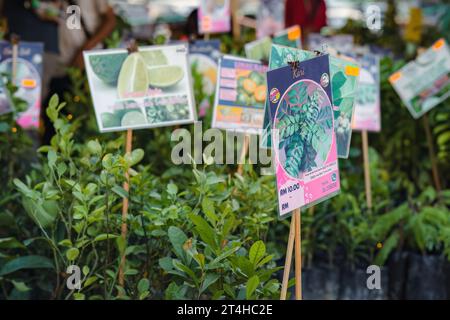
[294,33]
[395,77]
[352,71]
[29,83]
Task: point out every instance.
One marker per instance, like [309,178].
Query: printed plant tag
[344,80]
[290,37]
[259,49]
[342,43]
[367,108]
[214,16]
[240,95]
[269,18]
[28,78]
[204,58]
[303,134]
[5,99]
[424,83]
[145,89]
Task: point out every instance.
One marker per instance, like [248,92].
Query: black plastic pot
[427,278]
[320,283]
[353,285]
[398,268]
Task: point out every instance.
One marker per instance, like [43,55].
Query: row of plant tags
[312,107]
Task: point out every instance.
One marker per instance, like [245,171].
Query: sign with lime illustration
[367,108]
[344,80]
[424,83]
[303,134]
[204,59]
[145,89]
[214,16]
[28,78]
[240,95]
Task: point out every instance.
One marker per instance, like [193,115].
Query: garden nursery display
[356,127]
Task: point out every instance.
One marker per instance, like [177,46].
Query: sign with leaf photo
[344,79]
[144,89]
[367,108]
[303,134]
[424,83]
[240,95]
[204,58]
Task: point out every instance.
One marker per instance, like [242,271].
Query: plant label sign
[342,42]
[269,18]
[260,49]
[344,79]
[280,56]
[204,58]
[214,16]
[367,115]
[28,78]
[145,89]
[290,37]
[304,142]
[5,99]
[424,83]
[240,95]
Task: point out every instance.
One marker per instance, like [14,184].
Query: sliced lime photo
[133,78]
[133,118]
[165,76]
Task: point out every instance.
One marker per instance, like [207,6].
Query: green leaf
[257,252]
[52,157]
[105,236]
[20,286]
[11,243]
[120,191]
[172,189]
[27,262]
[136,156]
[177,239]
[94,147]
[143,285]
[166,263]
[204,230]
[209,280]
[208,210]
[72,254]
[90,281]
[252,284]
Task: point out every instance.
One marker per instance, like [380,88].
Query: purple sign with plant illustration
[303,134]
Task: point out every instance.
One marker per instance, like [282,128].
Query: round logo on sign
[274,95]
[324,80]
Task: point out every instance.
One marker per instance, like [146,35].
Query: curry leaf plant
[303,129]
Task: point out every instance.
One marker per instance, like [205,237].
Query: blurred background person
[310,15]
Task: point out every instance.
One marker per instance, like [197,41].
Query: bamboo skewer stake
[434,165]
[298,255]
[15,56]
[243,155]
[235,19]
[367,180]
[287,264]
[124,227]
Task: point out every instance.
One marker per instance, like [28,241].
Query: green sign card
[424,83]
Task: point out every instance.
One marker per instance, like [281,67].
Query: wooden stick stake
[124,229]
[15,56]
[236,27]
[244,152]
[287,264]
[298,255]
[365,149]
[434,165]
